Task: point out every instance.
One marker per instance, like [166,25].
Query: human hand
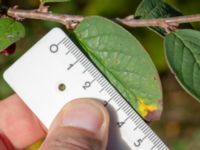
[81,124]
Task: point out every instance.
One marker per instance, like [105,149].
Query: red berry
[9,50]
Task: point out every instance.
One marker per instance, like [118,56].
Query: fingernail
[5,144]
[84,115]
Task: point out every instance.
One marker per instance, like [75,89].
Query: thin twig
[170,23]
[71,21]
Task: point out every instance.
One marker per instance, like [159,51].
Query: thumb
[81,125]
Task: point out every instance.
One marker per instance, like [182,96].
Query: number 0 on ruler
[55,61]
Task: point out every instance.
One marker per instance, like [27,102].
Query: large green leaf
[183,54]
[53,1]
[149,9]
[10,32]
[124,61]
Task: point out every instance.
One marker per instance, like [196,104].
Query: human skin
[81,124]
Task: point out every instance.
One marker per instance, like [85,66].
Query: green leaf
[123,60]
[11,31]
[53,1]
[149,9]
[183,55]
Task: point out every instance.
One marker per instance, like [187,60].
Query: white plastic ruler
[54,71]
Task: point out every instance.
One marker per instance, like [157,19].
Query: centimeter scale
[54,71]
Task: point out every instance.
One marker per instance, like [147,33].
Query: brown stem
[70,21]
[166,23]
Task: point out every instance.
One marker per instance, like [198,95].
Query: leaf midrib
[182,41]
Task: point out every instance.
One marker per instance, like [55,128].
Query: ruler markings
[99,76]
[135,119]
[103,86]
[159,146]
[109,91]
[102,82]
[102,89]
[87,67]
[128,110]
[114,95]
[117,99]
[147,132]
[67,44]
[84,62]
[139,122]
[106,102]
[153,147]
[154,140]
[144,137]
[72,65]
[135,128]
[65,38]
[107,88]
[127,116]
[123,106]
[142,127]
[93,72]
[150,137]
[73,50]
[78,55]
[81,59]
[67,52]
[64,41]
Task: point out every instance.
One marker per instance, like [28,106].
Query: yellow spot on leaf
[144,109]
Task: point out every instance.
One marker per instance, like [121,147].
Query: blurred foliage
[179,127]
[52,1]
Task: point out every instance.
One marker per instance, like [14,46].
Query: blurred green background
[179,126]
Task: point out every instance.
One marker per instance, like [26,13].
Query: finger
[18,123]
[82,124]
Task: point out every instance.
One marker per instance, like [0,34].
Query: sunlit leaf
[124,61]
